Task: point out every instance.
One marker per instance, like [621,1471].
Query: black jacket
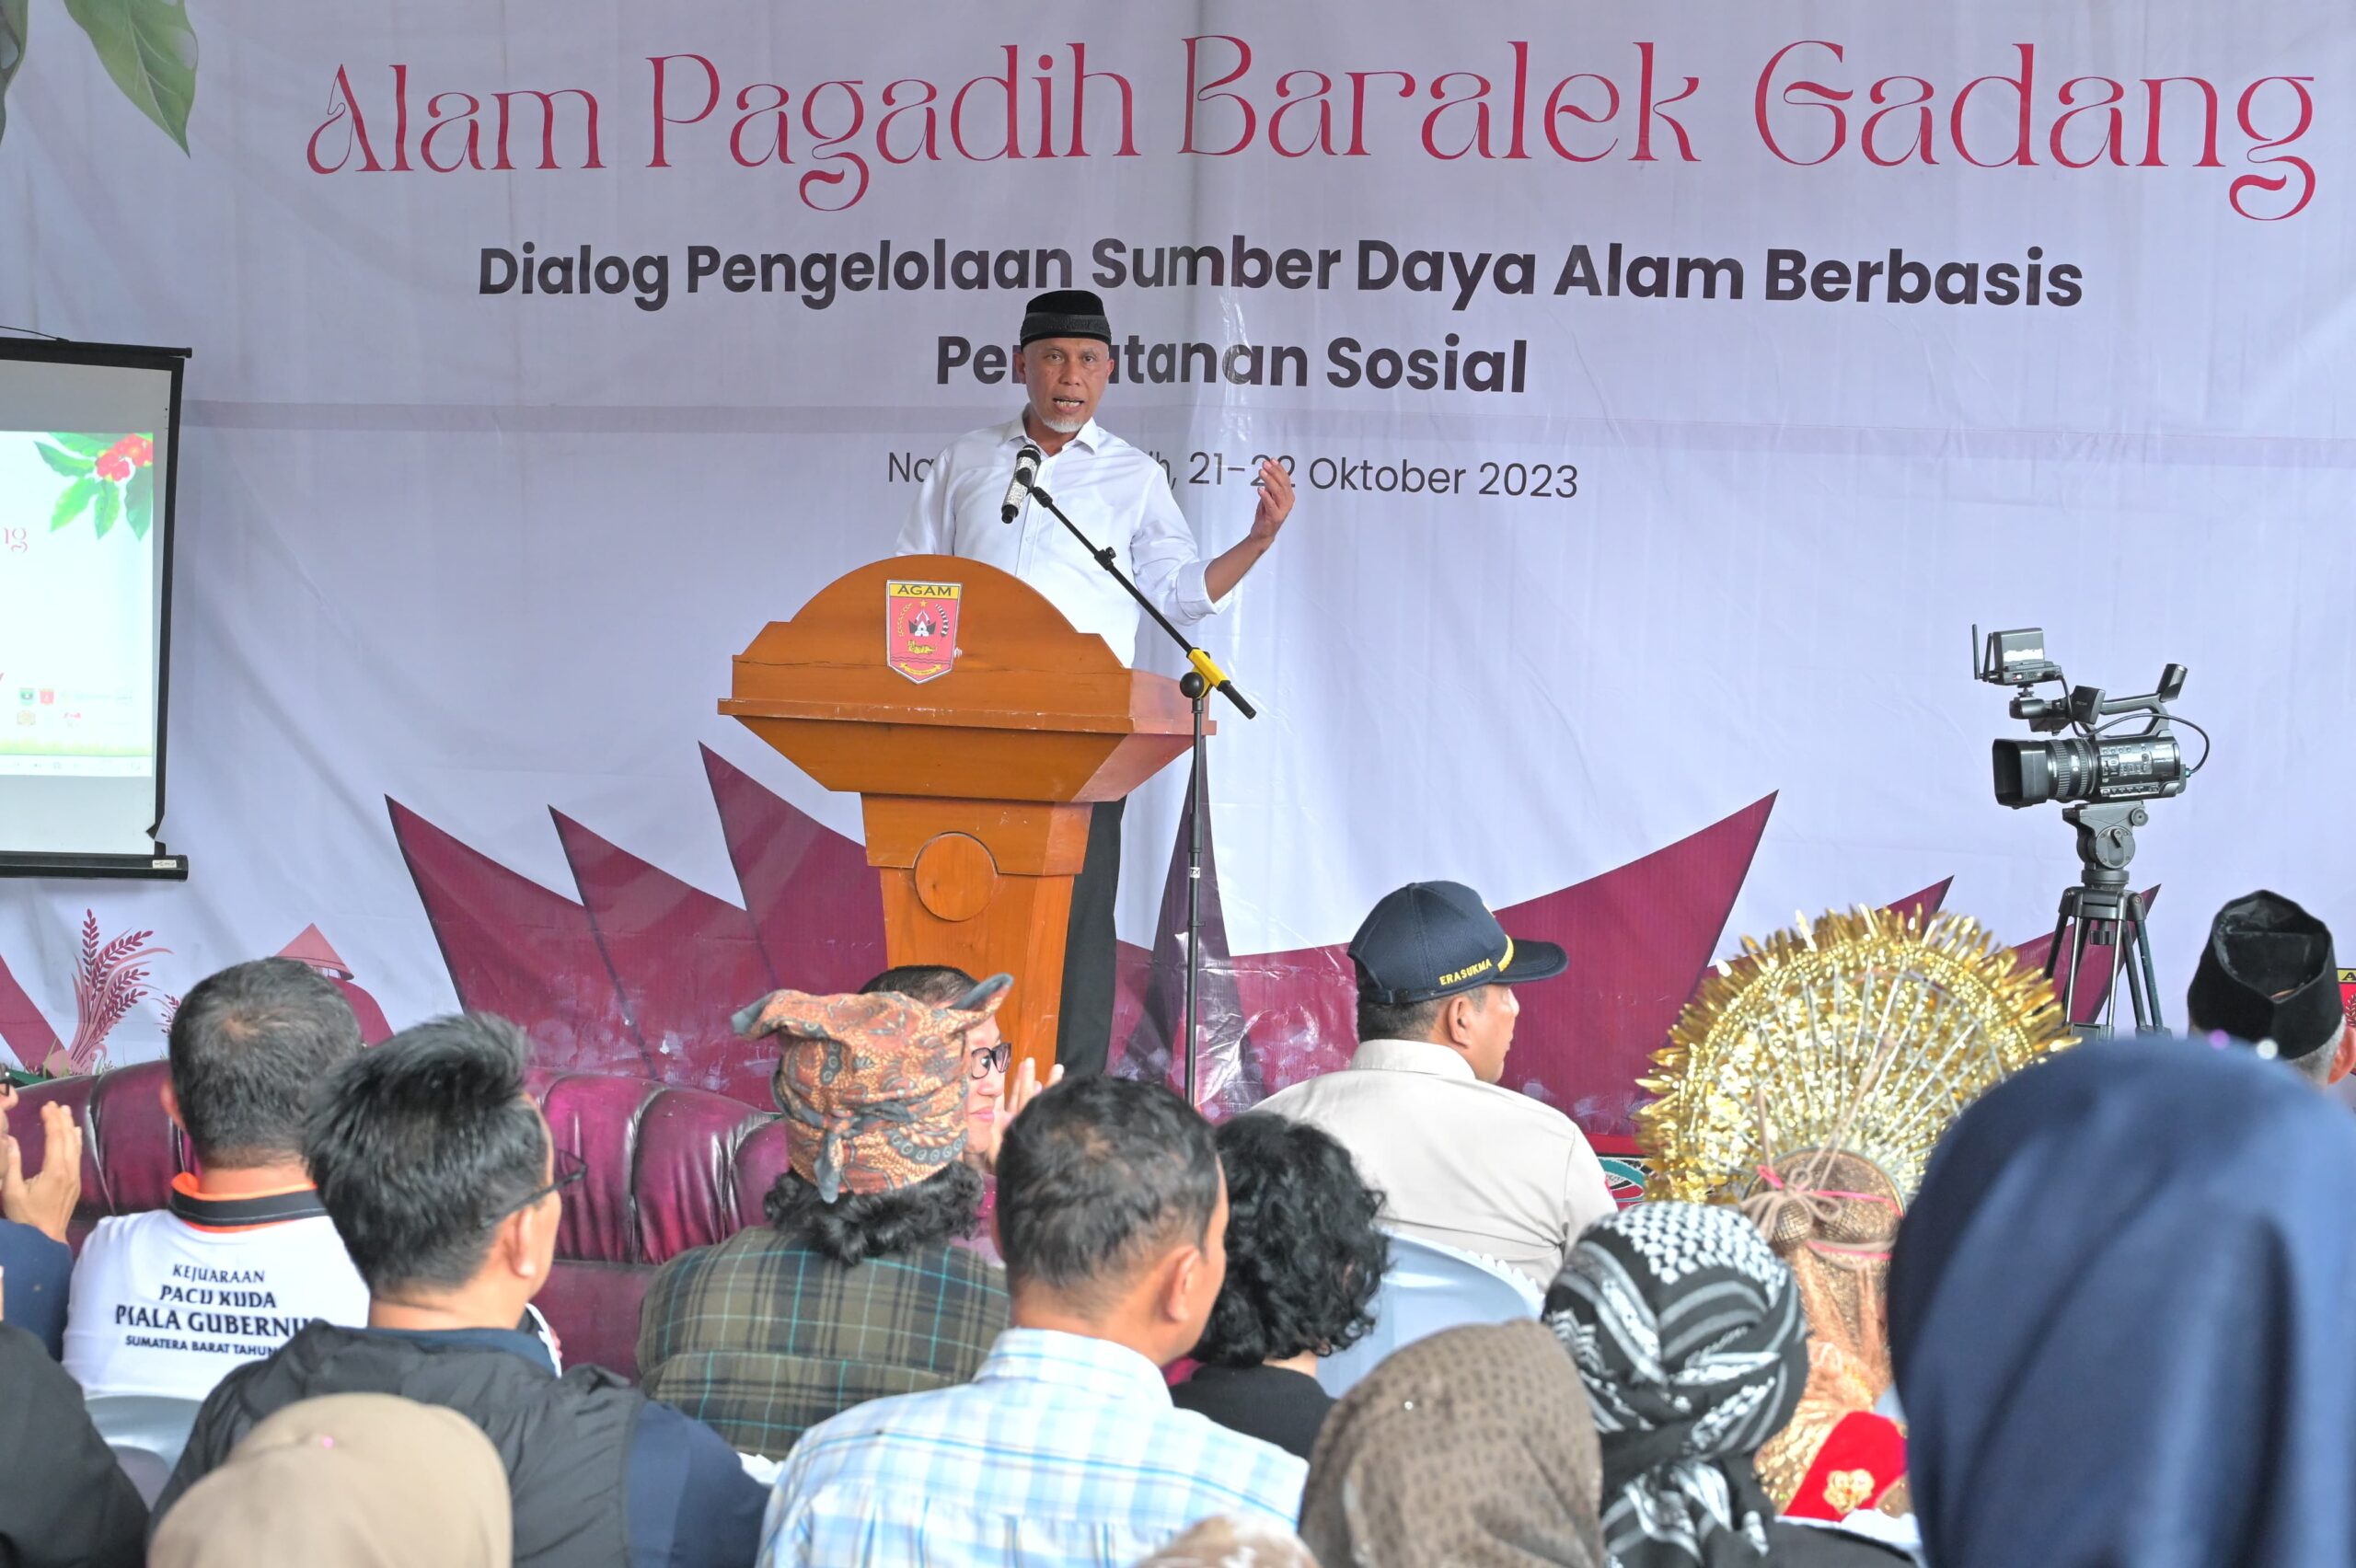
[63,1498]
[566,1441]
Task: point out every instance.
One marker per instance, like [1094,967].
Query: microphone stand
[1197,683]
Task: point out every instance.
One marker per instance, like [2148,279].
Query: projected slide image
[77,575]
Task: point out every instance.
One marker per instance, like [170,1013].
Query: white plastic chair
[1429,1288]
[146,1433]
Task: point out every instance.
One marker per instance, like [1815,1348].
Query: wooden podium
[976,756]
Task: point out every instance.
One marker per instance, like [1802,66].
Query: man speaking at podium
[1119,497]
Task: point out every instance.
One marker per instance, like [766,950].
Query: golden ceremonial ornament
[1806,1081]
[1863,1032]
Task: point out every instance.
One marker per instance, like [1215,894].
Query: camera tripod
[2107,913]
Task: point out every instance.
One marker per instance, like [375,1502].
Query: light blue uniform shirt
[1063,1452]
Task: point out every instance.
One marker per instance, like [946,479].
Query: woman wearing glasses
[991,1099]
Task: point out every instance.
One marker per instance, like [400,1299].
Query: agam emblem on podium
[920,628]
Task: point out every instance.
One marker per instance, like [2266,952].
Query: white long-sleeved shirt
[1118,496]
[1469,1165]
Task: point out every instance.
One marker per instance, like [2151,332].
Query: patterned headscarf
[873,1086]
[1687,1331]
[1471,1448]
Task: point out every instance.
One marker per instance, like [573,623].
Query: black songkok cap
[1067,313]
[2269,973]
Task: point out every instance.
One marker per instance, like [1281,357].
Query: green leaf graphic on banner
[87,445]
[110,506]
[139,502]
[12,49]
[149,49]
[65,463]
[76,498]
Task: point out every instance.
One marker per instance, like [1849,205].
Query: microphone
[1026,474]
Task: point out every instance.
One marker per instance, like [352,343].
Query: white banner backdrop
[1761,351]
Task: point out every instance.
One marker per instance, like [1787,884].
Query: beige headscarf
[359,1480]
[1474,1447]
[1233,1543]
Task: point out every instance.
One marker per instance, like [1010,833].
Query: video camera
[2089,764]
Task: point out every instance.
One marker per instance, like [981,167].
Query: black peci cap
[1066,313]
[2269,973]
[1433,940]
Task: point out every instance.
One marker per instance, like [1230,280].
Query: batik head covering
[1472,1447]
[873,1086]
[362,1481]
[1686,1328]
[2119,1313]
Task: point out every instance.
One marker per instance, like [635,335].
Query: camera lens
[2116,767]
[2029,773]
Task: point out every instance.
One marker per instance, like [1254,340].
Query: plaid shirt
[762,1338]
[1063,1452]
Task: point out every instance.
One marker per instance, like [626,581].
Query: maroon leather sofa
[669,1169]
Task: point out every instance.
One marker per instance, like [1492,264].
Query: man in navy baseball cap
[1462,1161]
[1432,940]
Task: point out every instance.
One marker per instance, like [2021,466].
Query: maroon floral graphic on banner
[633,970]
[113,976]
[639,973]
[111,980]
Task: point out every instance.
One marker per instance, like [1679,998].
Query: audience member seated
[64,1501]
[351,1481]
[34,1213]
[2269,978]
[1687,1331]
[991,1098]
[1459,1160]
[853,1290]
[1473,1445]
[2120,1312]
[1064,1450]
[442,1180]
[167,1302]
[1304,1259]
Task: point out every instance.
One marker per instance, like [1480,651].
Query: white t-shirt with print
[163,1306]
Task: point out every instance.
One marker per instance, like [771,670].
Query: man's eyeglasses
[984,1060]
[569,1167]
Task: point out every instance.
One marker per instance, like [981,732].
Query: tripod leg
[2143,956]
[2130,937]
[2077,969]
[2109,970]
[2060,930]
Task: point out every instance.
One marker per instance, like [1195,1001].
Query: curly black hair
[860,1226]
[1304,1258]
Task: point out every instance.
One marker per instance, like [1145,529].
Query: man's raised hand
[45,1202]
